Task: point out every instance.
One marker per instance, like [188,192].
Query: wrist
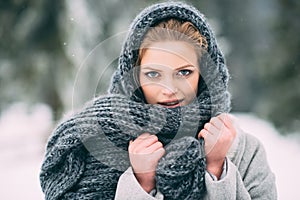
[215,168]
[146,180]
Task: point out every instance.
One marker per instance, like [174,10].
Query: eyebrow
[145,67]
[149,68]
[185,66]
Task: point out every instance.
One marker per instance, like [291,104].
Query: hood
[213,69]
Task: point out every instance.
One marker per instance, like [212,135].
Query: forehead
[170,53]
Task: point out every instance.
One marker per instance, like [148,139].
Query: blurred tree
[263,58]
[246,25]
[31,57]
[58,52]
[93,32]
[282,68]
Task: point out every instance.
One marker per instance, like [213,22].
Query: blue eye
[184,72]
[152,74]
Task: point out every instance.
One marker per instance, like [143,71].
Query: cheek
[195,81]
[190,86]
[194,84]
[150,92]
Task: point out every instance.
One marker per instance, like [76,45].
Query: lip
[171,103]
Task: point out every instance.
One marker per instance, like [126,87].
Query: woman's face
[169,73]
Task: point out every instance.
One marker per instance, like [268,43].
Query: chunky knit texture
[86,154]
[180,173]
[91,148]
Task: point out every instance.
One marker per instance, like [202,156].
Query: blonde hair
[173,30]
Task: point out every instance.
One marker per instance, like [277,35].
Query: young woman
[143,139]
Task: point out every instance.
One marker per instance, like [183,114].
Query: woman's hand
[144,154]
[218,134]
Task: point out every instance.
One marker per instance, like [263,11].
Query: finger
[160,152]
[228,121]
[218,123]
[213,134]
[203,133]
[211,129]
[152,148]
[145,140]
[210,140]
[140,138]
[224,117]
[143,144]
[143,136]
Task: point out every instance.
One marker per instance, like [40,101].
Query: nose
[168,91]
[169,88]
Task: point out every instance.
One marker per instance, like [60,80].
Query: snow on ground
[282,153]
[23,131]
[22,136]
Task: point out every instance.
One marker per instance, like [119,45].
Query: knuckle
[206,126]
[159,144]
[214,119]
[143,136]
[202,133]
[154,137]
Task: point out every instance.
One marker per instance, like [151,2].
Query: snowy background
[56,55]
[24,129]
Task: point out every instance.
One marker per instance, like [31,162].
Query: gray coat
[248,175]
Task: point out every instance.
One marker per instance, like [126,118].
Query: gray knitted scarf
[87,153]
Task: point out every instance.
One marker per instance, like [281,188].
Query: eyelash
[181,73]
[148,74]
[189,72]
